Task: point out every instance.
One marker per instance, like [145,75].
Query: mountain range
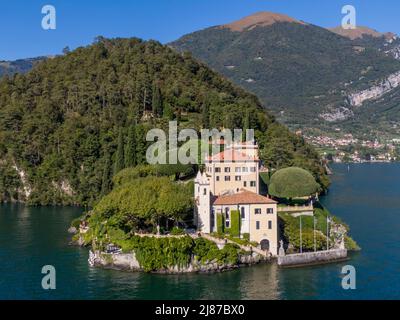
[315,79]
[18,66]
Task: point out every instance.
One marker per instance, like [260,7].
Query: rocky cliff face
[394,52]
[129,262]
[358,98]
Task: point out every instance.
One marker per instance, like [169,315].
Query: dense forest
[74,121]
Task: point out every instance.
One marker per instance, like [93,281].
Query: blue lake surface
[366,197]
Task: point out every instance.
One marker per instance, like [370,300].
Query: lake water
[367,197]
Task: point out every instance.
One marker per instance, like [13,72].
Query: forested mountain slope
[302,72]
[73,121]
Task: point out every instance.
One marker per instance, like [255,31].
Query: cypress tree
[140,144]
[119,157]
[130,149]
[205,114]
[157,101]
[106,179]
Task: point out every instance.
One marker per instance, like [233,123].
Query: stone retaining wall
[310,258]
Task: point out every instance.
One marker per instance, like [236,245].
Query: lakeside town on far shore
[349,149]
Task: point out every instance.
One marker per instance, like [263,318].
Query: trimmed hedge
[293,182]
[220,223]
[235,223]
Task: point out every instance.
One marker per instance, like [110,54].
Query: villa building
[229,183]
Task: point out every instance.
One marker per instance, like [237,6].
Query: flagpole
[327,232]
[315,241]
[301,240]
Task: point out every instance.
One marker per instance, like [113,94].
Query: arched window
[227,218]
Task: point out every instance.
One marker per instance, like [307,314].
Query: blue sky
[79,22]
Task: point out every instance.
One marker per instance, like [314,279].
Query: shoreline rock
[128,262]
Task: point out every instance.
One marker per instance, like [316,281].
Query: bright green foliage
[144,202]
[220,223]
[351,244]
[235,223]
[140,171]
[292,183]
[156,254]
[157,100]
[161,253]
[291,227]
[207,251]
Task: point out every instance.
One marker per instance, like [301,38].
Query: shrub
[177,231]
[76,223]
[293,182]
[205,250]
[220,223]
[162,253]
[235,223]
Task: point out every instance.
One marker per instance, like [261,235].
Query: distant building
[231,182]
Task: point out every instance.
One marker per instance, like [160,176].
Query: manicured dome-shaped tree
[292,182]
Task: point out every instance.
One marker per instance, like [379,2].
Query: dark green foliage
[62,120]
[144,203]
[157,101]
[119,163]
[177,231]
[292,182]
[235,223]
[76,223]
[175,170]
[220,223]
[130,148]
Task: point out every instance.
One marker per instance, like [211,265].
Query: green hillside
[73,121]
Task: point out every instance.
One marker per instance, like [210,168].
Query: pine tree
[140,144]
[157,100]
[106,179]
[205,114]
[130,149]
[119,163]
[168,113]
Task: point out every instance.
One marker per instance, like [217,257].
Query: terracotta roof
[243,197]
[232,155]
